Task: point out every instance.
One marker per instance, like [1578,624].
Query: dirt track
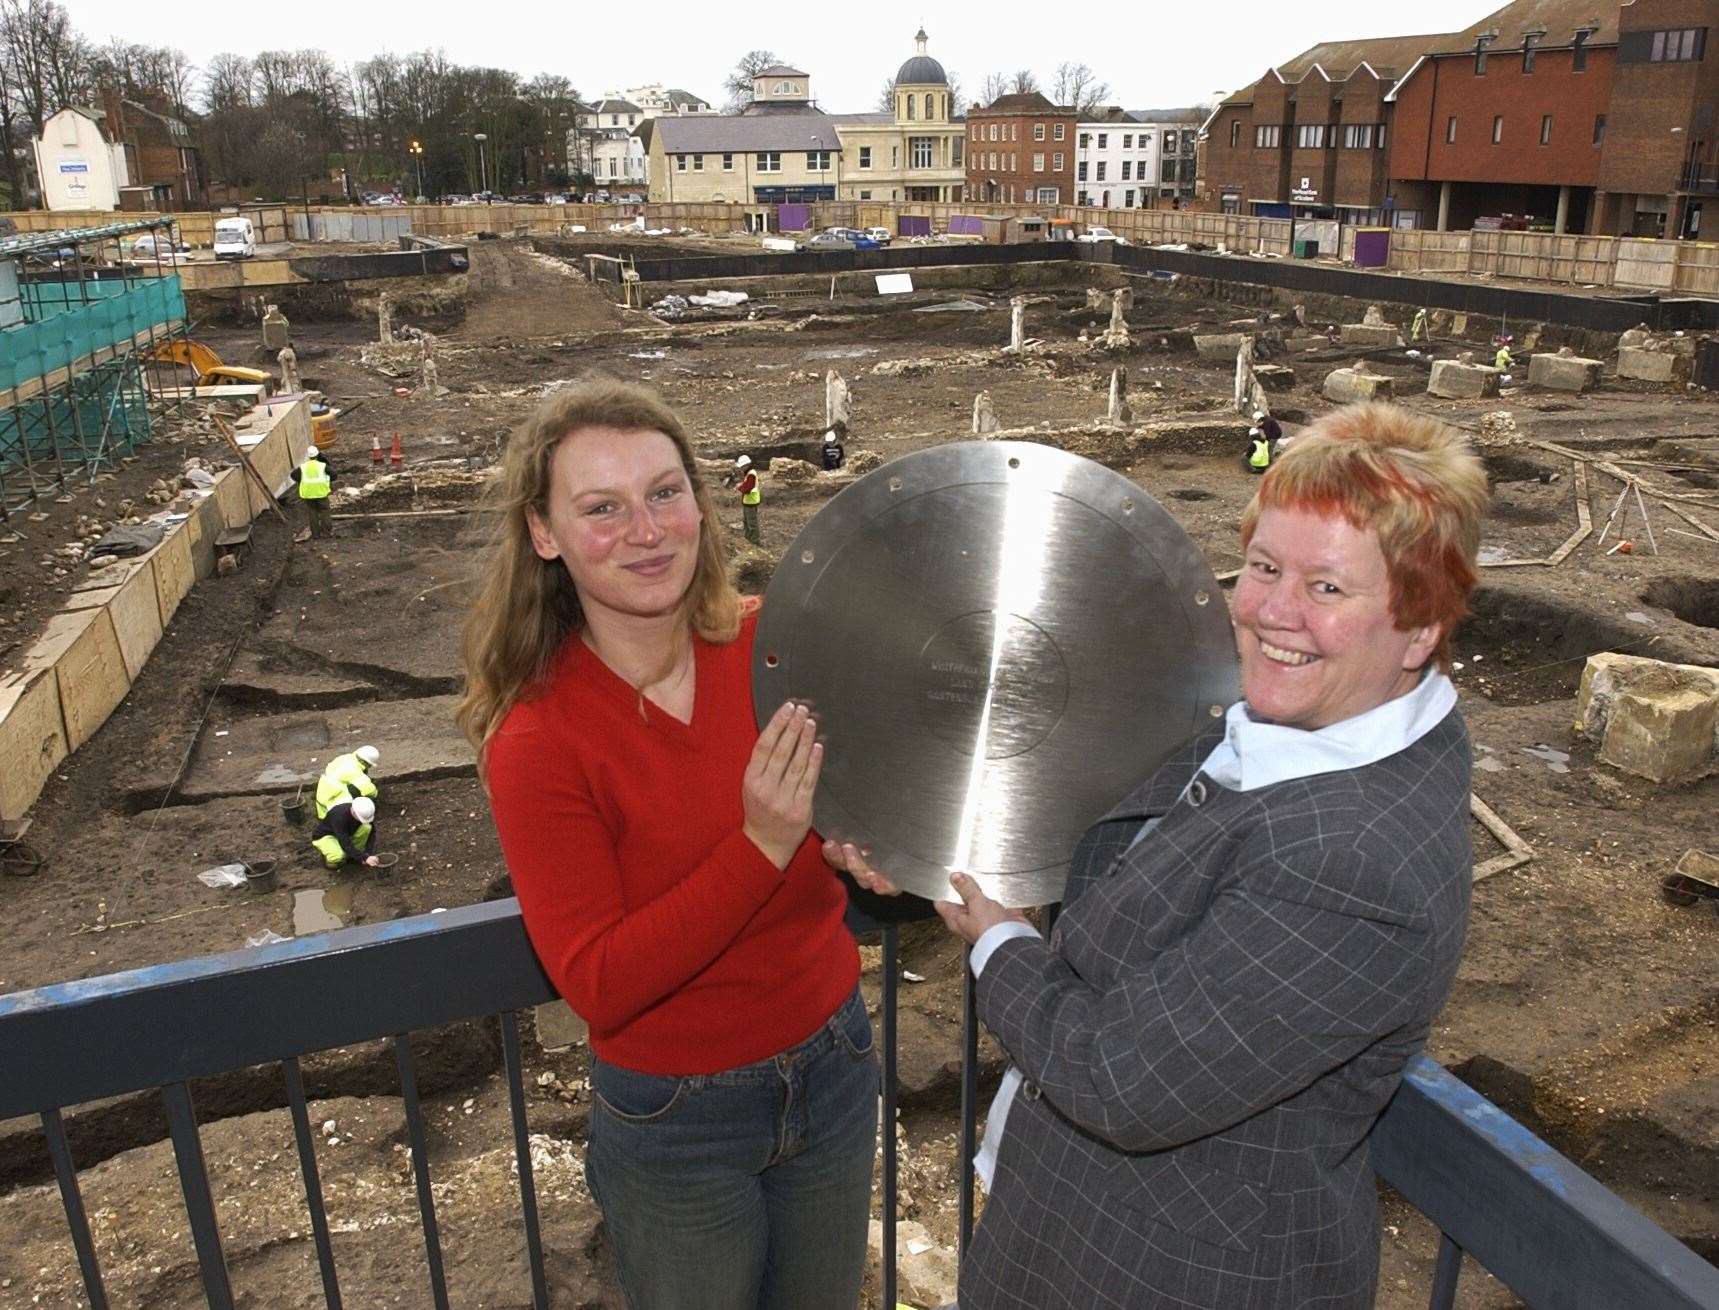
[1585,1006]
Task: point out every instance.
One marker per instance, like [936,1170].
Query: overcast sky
[1158,55]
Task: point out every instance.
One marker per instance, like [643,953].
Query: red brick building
[1020,150]
[1658,164]
[163,159]
[1508,117]
[1311,134]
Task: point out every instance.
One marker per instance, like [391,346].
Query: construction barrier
[85,662]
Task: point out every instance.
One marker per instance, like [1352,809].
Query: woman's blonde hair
[1412,481]
[526,606]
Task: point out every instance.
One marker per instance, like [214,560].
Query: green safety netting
[29,350]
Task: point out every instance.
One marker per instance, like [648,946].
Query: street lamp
[417,149]
[818,141]
[483,173]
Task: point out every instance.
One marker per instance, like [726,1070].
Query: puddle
[321,909]
[841,352]
[1493,555]
[1490,764]
[1556,760]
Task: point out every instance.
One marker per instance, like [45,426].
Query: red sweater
[663,926]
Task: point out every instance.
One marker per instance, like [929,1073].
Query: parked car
[1096,234]
[881,235]
[827,241]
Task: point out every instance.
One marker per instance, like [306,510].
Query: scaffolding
[80,323]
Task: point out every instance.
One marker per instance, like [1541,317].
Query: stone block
[1368,335]
[1345,386]
[558,1028]
[1221,347]
[1274,377]
[1646,365]
[1454,380]
[1563,372]
[1662,735]
[1661,691]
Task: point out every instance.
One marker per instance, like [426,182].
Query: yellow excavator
[211,372]
[207,365]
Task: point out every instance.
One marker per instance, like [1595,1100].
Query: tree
[957,101]
[1076,85]
[886,97]
[738,84]
[994,85]
[1023,81]
[47,63]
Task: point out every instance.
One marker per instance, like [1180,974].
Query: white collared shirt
[1253,754]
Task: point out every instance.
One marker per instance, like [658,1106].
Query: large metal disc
[999,640]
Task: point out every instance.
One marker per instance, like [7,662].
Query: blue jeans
[743,1190]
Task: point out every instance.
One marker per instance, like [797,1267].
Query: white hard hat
[830,438]
[364,809]
[745,461]
[312,453]
[1259,413]
[369,754]
[1253,432]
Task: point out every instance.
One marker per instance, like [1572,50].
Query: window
[817,159]
[1235,133]
[1545,129]
[632,120]
[1098,176]
[1264,138]
[728,163]
[1480,44]
[1048,195]
[1358,136]
[993,131]
[1529,40]
[1128,199]
[919,151]
[1056,164]
[1599,128]
[1312,136]
[1127,141]
[865,156]
[1014,131]
[958,152]
[1038,131]
[614,120]
[1081,199]
[770,161]
[698,163]
[1579,50]
[1450,130]
[1104,140]
[785,89]
[1126,165]
[910,112]
[679,163]
[1038,163]
[975,131]
[865,195]
[1080,171]
[1057,133]
[1677,45]
[1085,140]
[1497,128]
[1104,200]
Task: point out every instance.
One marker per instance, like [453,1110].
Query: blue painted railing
[1539,1224]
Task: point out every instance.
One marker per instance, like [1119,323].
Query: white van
[235,238]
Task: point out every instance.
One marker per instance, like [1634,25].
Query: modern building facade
[916,152]
[1021,150]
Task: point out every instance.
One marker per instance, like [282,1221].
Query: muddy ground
[1586,1006]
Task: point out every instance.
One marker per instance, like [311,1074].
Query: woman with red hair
[1254,943]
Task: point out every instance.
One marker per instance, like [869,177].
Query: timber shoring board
[174,572]
[90,668]
[32,738]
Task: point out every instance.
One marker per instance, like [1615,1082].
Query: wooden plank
[231,494]
[32,738]
[90,668]
[1516,851]
[173,571]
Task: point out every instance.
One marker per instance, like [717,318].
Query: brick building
[1658,163]
[1508,118]
[1021,150]
[164,162]
[1311,134]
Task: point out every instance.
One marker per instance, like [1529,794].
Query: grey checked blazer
[1207,1038]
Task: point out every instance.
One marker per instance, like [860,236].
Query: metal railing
[1550,1232]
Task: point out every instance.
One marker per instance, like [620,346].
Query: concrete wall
[83,665]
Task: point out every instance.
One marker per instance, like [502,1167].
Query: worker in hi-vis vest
[1502,359]
[744,479]
[1257,459]
[346,778]
[1418,330]
[315,478]
[346,832]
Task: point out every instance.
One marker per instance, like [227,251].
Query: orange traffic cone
[395,455]
[375,449]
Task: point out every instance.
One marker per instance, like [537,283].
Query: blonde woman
[660,847]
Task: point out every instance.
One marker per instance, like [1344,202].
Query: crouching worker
[346,833]
[346,778]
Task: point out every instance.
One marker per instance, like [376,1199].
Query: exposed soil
[1586,1005]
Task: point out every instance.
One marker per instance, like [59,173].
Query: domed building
[914,153]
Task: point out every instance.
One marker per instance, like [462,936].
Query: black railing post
[72,1200]
[420,1148]
[522,1153]
[199,1204]
[1445,1274]
[312,1180]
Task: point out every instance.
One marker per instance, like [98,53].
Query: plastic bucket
[293,808]
[260,875]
